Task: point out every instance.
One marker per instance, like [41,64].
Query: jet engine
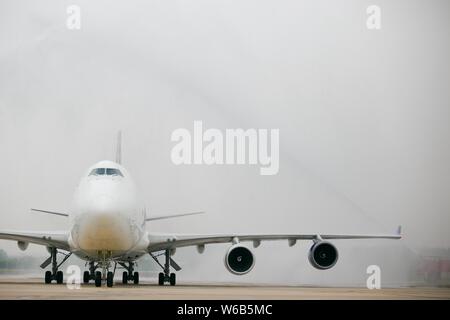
[22,245]
[323,255]
[239,260]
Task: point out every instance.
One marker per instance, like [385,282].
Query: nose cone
[102,207]
[104,226]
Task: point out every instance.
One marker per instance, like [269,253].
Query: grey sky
[363,115]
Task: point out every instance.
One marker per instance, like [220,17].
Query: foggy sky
[363,117]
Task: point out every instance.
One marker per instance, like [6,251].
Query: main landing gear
[166,275]
[55,274]
[129,275]
[89,275]
[107,275]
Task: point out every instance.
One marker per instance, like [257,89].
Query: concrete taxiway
[34,288]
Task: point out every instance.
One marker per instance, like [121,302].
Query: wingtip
[399,230]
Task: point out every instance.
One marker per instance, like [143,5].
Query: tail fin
[119,148]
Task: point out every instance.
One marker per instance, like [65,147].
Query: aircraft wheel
[172,279]
[109,279]
[48,277]
[59,277]
[136,278]
[86,276]
[125,277]
[161,279]
[98,279]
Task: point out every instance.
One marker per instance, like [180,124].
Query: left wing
[57,239]
[171,241]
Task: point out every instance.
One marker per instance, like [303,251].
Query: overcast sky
[363,115]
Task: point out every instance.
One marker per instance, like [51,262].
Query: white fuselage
[106,220]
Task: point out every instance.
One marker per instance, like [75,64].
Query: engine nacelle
[239,260]
[323,255]
[22,245]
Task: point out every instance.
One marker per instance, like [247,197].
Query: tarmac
[34,288]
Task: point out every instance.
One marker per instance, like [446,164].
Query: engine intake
[239,260]
[323,255]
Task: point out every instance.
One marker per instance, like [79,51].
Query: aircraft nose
[104,215]
[102,206]
[103,226]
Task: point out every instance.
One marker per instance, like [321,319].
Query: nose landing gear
[98,279]
[109,279]
[105,274]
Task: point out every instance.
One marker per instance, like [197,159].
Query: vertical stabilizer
[119,148]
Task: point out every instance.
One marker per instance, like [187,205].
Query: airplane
[108,228]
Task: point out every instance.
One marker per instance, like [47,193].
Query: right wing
[57,239]
[171,241]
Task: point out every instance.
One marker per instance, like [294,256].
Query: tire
[98,279]
[86,276]
[125,277]
[161,279]
[48,277]
[59,277]
[110,279]
[172,279]
[136,278]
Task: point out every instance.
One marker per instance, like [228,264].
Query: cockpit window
[106,171]
[97,172]
[113,172]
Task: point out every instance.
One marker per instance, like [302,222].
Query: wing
[170,241]
[57,239]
